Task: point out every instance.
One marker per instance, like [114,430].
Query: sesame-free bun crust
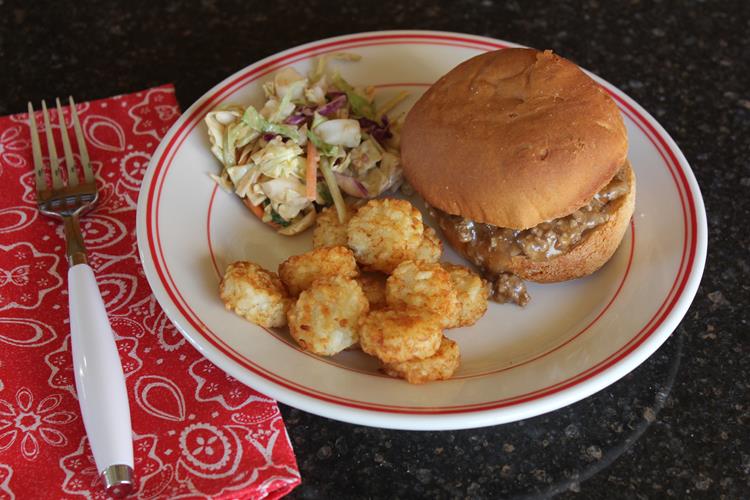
[596,248]
[512,138]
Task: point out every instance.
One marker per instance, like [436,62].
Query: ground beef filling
[507,287]
[491,247]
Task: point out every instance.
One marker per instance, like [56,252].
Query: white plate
[572,340]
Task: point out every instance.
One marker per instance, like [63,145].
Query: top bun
[513,138]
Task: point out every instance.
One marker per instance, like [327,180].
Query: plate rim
[420,420]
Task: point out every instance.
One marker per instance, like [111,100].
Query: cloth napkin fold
[197,432]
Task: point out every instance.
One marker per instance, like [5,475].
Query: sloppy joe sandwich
[523,159]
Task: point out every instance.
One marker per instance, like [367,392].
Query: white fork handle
[99,379]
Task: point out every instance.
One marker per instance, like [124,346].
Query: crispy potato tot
[439,366]
[299,271]
[255,294]
[373,284]
[431,248]
[385,232]
[395,335]
[425,286]
[329,232]
[325,318]
[472,291]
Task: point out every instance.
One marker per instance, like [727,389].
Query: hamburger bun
[595,249]
[513,138]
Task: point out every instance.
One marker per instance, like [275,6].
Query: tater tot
[299,271]
[426,286]
[325,318]
[255,294]
[472,292]
[385,232]
[439,366]
[373,284]
[395,335]
[328,230]
[431,248]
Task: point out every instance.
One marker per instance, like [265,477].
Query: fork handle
[100,382]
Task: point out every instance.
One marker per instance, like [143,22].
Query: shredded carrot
[312,172]
[257,210]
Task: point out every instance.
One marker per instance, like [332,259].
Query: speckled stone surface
[675,427]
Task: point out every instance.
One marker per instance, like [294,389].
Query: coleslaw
[316,140]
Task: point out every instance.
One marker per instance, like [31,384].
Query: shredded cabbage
[320,67]
[365,156]
[322,147]
[287,197]
[280,159]
[317,120]
[263,154]
[223,182]
[286,107]
[333,188]
[388,106]
[255,121]
[289,83]
[217,122]
[359,104]
[244,184]
[339,132]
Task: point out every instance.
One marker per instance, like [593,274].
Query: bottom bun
[596,248]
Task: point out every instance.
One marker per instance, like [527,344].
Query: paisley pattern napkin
[197,432]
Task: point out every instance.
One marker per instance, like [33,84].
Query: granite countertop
[677,425]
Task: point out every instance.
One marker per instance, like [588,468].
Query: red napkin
[197,432]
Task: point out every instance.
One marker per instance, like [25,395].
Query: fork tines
[72,174]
